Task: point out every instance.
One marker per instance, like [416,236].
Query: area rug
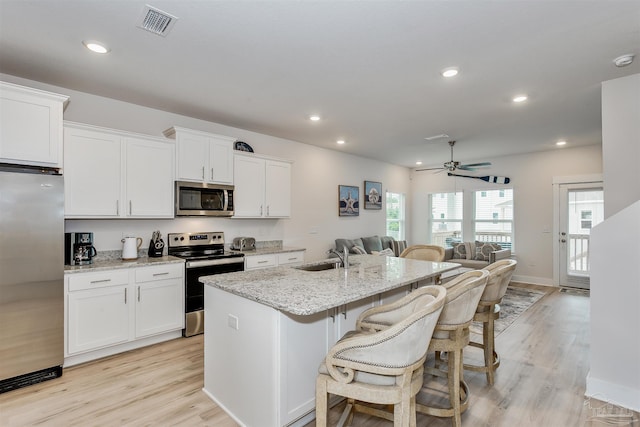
[515,302]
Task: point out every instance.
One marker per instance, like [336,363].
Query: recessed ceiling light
[450,72]
[624,60]
[520,98]
[559,143]
[95,46]
[340,141]
[314,117]
[418,163]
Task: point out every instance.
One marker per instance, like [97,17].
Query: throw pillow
[372,243]
[399,246]
[459,251]
[387,242]
[358,250]
[384,252]
[350,244]
[484,249]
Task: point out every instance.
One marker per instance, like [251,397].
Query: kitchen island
[267,331]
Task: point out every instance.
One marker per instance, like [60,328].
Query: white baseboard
[533,280]
[616,394]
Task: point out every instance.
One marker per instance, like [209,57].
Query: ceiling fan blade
[465,168]
[430,169]
[487,178]
[477,164]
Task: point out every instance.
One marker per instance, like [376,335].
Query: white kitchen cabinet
[254,262]
[115,174]
[30,126]
[262,187]
[116,310]
[202,156]
[92,173]
[98,310]
[159,299]
[149,183]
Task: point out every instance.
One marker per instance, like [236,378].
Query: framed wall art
[348,200]
[372,195]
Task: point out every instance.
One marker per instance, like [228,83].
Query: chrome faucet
[344,258]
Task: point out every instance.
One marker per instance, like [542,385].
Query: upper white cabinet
[115,174]
[202,156]
[262,187]
[30,126]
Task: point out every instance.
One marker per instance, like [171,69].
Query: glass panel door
[581,209]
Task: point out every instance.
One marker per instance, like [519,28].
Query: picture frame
[373,195]
[348,200]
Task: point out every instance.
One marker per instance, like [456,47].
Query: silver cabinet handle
[203,173]
[267,210]
[260,210]
[117,207]
[130,208]
[160,274]
[138,293]
[125,295]
[211,174]
[100,281]
[262,262]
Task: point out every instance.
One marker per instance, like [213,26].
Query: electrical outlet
[232,321]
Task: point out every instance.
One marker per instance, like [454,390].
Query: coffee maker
[78,248]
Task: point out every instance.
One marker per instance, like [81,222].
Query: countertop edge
[117,264]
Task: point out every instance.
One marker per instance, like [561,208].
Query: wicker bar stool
[488,311]
[451,335]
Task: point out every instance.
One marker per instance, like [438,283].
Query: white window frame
[402,216]
[475,222]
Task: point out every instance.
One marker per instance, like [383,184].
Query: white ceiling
[371,69]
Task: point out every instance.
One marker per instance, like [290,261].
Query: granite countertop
[302,292]
[269,250]
[108,263]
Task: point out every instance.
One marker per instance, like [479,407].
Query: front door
[581,208]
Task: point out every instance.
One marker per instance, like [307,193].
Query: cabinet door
[277,189]
[98,318]
[255,262]
[192,154]
[159,307]
[290,258]
[149,178]
[249,186]
[221,161]
[30,126]
[91,173]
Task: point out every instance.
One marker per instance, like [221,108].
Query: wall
[621,153]
[615,280]
[531,179]
[316,174]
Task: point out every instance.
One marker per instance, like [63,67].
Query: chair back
[463,296]
[392,350]
[424,252]
[500,273]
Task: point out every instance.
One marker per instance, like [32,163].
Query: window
[446,218]
[585,219]
[485,216]
[395,215]
[493,217]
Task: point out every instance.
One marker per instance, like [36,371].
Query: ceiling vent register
[156,21]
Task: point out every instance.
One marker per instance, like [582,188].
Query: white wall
[531,179]
[621,152]
[615,280]
[316,174]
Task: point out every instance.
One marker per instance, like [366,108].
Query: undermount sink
[319,267]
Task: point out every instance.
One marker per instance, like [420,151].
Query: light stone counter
[304,293]
[268,250]
[106,263]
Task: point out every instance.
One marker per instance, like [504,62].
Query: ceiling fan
[452,166]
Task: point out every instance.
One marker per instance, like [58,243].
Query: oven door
[194,289]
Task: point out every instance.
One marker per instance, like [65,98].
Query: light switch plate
[232,321]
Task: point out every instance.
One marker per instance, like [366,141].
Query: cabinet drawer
[260,261]
[79,282]
[159,272]
[290,258]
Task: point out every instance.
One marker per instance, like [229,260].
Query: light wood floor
[540,382]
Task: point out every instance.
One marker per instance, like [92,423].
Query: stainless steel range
[205,255]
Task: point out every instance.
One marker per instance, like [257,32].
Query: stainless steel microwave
[202,199]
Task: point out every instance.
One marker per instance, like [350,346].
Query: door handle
[563,240]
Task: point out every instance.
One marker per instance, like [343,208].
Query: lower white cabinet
[114,307]
[254,262]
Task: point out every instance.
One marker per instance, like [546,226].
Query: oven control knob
[181,238]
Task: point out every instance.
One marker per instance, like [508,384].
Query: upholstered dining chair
[451,335]
[382,366]
[488,311]
[424,252]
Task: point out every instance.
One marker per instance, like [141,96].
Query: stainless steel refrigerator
[31,276]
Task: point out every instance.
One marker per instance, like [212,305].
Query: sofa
[371,245]
[475,255]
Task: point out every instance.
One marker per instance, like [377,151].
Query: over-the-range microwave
[203,199]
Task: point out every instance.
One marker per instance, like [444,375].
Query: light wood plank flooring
[540,382]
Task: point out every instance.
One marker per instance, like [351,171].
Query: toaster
[243,244]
